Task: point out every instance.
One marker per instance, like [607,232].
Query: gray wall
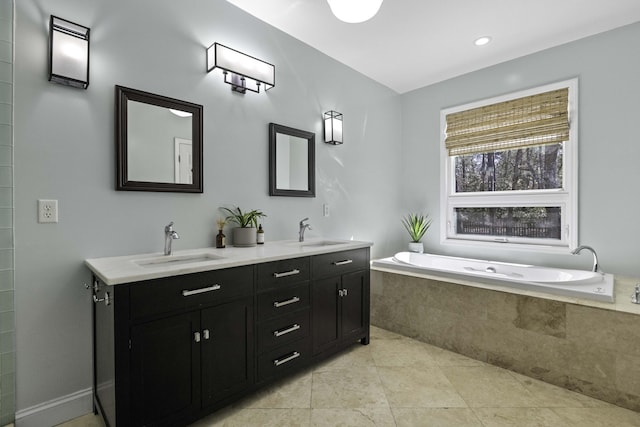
[64,142]
[7,318]
[609,153]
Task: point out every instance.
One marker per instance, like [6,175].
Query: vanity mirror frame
[123,95]
[274,130]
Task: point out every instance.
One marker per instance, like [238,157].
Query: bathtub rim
[621,286]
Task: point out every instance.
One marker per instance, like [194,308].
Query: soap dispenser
[260,235]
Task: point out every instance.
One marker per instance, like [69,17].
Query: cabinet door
[353,310]
[227,349]
[326,327]
[165,377]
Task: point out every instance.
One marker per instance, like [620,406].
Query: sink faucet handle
[169,227]
[303,220]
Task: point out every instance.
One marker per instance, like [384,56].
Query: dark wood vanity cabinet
[340,294]
[169,351]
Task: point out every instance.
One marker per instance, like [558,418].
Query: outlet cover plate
[47,211]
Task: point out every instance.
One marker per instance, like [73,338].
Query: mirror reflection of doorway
[183,161]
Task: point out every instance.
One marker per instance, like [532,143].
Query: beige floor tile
[442,357]
[598,417]
[437,417]
[356,357]
[380,417]
[382,334]
[518,417]
[293,392]
[88,420]
[348,388]
[418,388]
[488,386]
[258,417]
[403,353]
[551,396]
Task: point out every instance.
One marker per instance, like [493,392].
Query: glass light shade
[68,53]
[241,71]
[333,127]
[354,11]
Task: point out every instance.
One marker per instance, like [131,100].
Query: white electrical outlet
[47,211]
[325,210]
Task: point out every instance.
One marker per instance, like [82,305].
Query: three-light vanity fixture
[333,127]
[243,72]
[68,53]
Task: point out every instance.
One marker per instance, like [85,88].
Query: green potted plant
[417,225]
[245,234]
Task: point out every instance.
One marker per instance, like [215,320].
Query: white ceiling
[414,43]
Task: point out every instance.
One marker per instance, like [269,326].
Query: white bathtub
[571,283]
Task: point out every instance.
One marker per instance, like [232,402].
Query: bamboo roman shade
[524,122]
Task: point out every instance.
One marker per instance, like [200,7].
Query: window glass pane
[527,222]
[533,168]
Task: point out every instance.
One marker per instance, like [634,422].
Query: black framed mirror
[158,143]
[292,162]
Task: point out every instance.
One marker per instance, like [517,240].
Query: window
[510,170]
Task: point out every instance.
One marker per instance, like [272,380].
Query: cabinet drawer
[284,272]
[283,330]
[282,301]
[337,263]
[189,290]
[283,359]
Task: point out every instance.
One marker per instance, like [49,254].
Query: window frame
[566,197]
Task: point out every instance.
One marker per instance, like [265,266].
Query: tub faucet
[635,296]
[577,250]
[303,227]
[169,235]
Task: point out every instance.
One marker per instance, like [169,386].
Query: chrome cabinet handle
[205,334]
[286,331]
[286,273]
[196,336]
[279,304]
[343,292]
[345,262]
[289,358]
[187,293]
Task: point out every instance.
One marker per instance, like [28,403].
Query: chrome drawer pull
[196,336]
[279,304]
[186,293]
[205,334]
[345,262]
[293,355]
[290,329]
[286,273]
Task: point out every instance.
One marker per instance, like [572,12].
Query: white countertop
[132,268]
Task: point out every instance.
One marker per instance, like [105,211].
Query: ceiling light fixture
[354,11]
[481,41]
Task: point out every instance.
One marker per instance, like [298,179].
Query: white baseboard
[56,411]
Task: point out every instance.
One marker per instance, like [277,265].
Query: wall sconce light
[333,127]
[241,71]
[68,53]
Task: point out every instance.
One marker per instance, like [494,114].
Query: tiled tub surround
[585,346]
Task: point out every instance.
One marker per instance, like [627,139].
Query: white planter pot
[416,247]
[245,236]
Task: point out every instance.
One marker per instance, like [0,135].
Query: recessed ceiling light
[481,41]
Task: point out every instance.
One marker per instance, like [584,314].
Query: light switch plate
[47,211]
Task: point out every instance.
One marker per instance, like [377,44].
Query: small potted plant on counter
[417,225]
[246,233]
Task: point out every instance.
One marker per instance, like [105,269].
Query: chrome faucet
[635,296]
[577,250]
[169,235]
[303,227]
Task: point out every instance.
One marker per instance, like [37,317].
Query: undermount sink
[171,260]
[319,243]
